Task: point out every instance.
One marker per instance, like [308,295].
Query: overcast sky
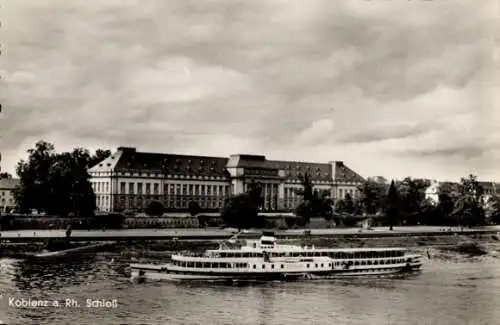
[390,87]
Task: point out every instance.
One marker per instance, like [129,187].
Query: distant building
[7,186]
[489,189]
[432,192]
[128,180]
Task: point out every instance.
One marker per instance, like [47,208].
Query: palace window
[139,188]
[156,188]
[148,188]
[131,188]
[202,189]
[184,189]
[209,190]
[197,189]
[190,189]
[221,189]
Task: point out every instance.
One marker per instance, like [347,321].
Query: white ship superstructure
[265,259]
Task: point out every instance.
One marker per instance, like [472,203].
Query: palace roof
[296,169]
[9,183]
[345,174]
[172,164]
[128,159]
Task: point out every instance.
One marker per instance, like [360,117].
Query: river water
[455,291]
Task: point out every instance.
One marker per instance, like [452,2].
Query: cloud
[326,80]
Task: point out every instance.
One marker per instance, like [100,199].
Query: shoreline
[216,234]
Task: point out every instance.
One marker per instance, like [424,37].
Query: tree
[412,194]
[372,196]
[468,208]
[314,204]
[392,206]
[155,208]
[242,211]
[195,210]
[55,183]
[494,209]
[348,204]
[5,176]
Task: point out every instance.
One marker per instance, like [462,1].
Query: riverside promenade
[194,234]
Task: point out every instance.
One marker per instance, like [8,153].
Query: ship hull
[164,273]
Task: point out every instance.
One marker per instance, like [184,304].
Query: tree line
[59,184]
[397,203]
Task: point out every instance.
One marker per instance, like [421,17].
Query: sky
[390,87]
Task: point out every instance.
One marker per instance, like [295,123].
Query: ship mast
[232,239]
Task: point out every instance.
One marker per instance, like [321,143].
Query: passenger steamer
[264,259]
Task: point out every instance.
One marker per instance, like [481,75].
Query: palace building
[129,180]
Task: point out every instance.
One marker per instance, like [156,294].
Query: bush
[194,208]
[155,208]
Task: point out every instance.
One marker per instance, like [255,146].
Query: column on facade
[281,196]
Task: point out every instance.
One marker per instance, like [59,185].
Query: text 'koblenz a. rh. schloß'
[129,180]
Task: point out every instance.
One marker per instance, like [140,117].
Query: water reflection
[54,275]
[445,293]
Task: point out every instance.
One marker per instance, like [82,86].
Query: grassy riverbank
[462,245]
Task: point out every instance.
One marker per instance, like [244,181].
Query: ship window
[254,245]
[315,265]
[198,264]
[369,262]
[356,263]
[376,262]
[307,265]
[382,262]
[190,264]
[254,266]
[363,263]
[272,266]
[282,266]
[223,254]
[321,264]
[206,265]
[263,266]
[329,264]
